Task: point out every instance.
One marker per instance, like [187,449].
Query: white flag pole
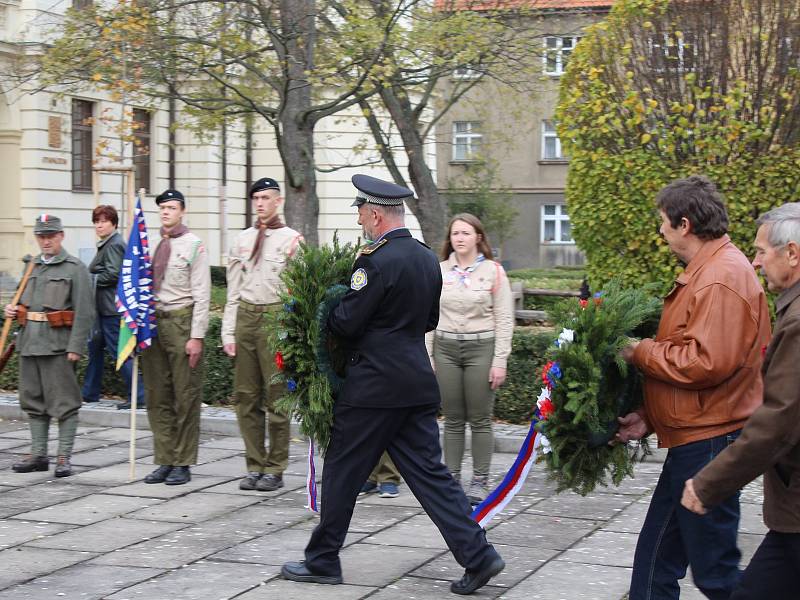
[134,385]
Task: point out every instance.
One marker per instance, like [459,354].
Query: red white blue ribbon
[311,479]
[513,481]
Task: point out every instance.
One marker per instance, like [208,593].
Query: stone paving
[97,535]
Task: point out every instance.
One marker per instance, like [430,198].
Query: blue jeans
[673,538]
[106,339]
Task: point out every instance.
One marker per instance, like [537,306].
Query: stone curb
[221,421]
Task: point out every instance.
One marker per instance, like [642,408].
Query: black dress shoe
[159,475]
[31,463]
[472,580]
[178,476]
[89,400]
[124,406]
[297,571]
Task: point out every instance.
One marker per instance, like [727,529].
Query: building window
[142,123]
[467,138]
[674,53]
[556,227]
[556,53]
[82,145]
[551,145]
[465,73]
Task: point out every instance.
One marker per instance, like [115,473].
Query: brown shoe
[63,468]
[31,463]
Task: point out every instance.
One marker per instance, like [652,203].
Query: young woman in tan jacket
[470,346]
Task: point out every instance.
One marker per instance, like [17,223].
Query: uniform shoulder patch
[358,280]
[373,247]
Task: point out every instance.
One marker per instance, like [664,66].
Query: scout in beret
[256,260]
[55,314]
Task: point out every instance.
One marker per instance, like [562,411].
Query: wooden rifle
[5,353]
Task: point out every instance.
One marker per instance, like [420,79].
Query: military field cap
[377,191]
[46,223]
[265,183]
[168,195]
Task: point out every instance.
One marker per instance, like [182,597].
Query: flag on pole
[134,299]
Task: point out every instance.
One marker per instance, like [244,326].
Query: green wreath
[315,280]
[590,386]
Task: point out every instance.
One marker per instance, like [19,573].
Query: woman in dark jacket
[105,268]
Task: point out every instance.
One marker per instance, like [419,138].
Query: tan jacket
[703,367]
[187,281]
[485,305]
[770,440]
[259,283]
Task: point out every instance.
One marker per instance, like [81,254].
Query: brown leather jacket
[770,441]
[702,369]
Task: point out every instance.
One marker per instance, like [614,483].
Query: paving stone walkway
[96,535]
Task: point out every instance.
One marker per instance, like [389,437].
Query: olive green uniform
[174,391]
[385,471]
[253,290]
[47,381]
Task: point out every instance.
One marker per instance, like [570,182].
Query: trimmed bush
[516,400]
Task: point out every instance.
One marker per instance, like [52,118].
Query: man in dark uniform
[390,397]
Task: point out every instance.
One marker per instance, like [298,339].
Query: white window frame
[465,72]
[549,132]
[558,218]
[667,42]
[470,138]
[558,52]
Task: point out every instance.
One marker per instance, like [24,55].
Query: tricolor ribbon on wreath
[535,442]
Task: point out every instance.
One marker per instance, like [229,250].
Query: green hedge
[514,402]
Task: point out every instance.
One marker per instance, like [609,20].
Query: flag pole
[134,407]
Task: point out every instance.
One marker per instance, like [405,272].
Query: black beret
[168,195]
[265,183]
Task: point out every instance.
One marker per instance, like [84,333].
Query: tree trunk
[296,142]
[428,207]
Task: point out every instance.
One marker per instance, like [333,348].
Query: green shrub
[218,278]
[218,379]
[516,400]
[641,105]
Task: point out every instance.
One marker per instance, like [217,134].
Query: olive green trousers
[255,395]
[385,471]
[174,391]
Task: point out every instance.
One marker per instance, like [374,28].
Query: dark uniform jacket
[105,266]
[393,300]
[63,284]
[770,441]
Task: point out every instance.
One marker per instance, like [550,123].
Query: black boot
[179,476]
[159,475]
[63,467]
[31,463]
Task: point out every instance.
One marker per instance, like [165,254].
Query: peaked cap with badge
[377,191]
[46,224]
[168,195]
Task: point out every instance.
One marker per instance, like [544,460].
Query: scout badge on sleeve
[358,280]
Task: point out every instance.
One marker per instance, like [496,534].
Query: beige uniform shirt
[187,281]
[258,283]
[485,304]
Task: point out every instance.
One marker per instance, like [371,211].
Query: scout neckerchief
[463,274]
[163,251]
[274,223]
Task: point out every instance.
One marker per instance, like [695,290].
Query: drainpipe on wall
[223,198]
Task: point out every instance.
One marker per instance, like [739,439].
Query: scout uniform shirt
[187,281]
[61,284]
[258,283]
[480,303]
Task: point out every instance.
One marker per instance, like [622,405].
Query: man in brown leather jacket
[770,440]
[702,382]
[55,314]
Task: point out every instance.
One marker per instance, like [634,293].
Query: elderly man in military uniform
[55,314]
[390,397]
[255,263]
[172,366]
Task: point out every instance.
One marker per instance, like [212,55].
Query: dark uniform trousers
[173,390]
[255,396]
[411,436]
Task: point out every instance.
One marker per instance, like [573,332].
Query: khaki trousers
[174,391]
[385,471]
[255,396]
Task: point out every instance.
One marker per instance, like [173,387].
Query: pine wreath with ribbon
[587,386]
